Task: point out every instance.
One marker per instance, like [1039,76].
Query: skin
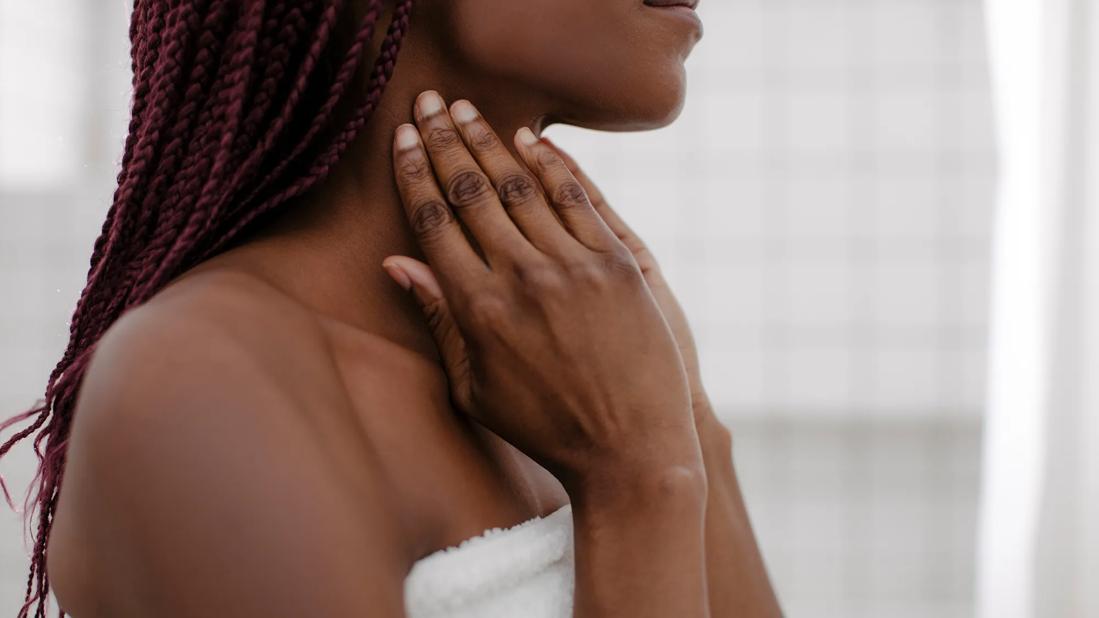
[305,442]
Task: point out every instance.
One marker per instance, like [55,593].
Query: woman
[251,419]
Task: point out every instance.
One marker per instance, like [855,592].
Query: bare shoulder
[199,477]
[221,318]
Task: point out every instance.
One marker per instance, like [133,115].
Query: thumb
[417,277]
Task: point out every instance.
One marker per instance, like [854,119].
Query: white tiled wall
[822,208]
[864,518]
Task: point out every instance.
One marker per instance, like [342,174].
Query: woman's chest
[452,478]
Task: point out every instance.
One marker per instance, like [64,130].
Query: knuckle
[483,140]
[548,159]
[487,309]
[589,272]
[441,138]
[570,195]
[435,314]
[645,257]
[467,187]
[413,167]
[620,263]
[517,189]
[540,277]
[605,268]
[430,219]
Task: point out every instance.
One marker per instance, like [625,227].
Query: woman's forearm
[640,547]
[738,583]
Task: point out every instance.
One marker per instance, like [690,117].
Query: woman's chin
[658,110]
[642,109]
[663,113]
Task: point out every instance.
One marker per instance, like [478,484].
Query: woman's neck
[326,249]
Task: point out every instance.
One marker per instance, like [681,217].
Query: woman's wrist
[646,502]
[620,486]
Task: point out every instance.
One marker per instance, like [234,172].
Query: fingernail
[463,111]
[408,137]
[430,103]
[527,137]
[398,275]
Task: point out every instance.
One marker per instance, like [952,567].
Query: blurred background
[826,208]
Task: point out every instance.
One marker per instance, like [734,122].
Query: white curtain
[1038,550]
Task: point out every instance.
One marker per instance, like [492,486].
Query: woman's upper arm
[201,491]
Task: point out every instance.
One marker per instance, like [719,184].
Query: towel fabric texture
[526,571]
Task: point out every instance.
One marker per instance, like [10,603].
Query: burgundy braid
[238,107]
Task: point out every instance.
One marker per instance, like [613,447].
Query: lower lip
[681,11]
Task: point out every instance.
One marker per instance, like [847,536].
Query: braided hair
[238,106]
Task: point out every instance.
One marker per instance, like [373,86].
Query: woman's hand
[552,339]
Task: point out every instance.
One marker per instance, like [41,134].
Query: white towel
[526,571]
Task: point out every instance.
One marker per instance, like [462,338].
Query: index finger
[433,223]
[599,202]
